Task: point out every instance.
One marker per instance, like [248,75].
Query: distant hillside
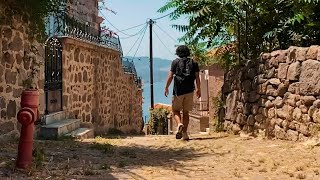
[161,68]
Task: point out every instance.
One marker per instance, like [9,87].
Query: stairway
[58,126]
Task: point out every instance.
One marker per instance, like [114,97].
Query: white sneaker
[185,136]
[179,131]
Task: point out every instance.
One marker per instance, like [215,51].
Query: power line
[141,30]
[113,25]
[161,17]
[134,44]
[139,44]
[162,42]
[132,27]
[175,40]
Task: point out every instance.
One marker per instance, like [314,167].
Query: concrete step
[54,117]
[58,129]
[81,133]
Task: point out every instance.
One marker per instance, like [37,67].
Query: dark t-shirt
[188,85]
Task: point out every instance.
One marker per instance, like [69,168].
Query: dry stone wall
[97,90]
[279,93]
[14,68]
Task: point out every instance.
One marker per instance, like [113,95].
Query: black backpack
[184,70]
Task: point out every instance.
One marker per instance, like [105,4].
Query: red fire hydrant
[27,116]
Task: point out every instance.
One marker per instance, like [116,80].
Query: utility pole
[151,22]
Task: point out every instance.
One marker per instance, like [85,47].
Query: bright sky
[134,12]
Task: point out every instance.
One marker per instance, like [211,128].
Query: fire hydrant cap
[26,116]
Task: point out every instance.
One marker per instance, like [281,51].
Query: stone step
[58,129]
[81,133]
[54,117]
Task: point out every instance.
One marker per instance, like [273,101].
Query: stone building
[83,84]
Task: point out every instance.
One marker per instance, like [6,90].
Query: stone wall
[14,68]
[95,87]
[279,93]
[112,99]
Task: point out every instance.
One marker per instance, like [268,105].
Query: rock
[247,108]
[290,99]
[293,125]
[282,56]
[292,135]
[282,89]
[308,100]
[266,56]
[281,114]
[246,86]
[259,118]
[231,103]
[270,73]
[241,119]
[278,102]
[16,44]
[288,110]
[262,102]
[255,109]
[236,129]
[294,88]
[262,88]
[6,127]
[312,53]
[253,96]
[304,109]
[292,54]
[294,71]
[305,118]
[271,91]
[244,97]
[269,104]
[11,109]
[301,54]
[273,62]
[271,113]
[297,114]
[315,114]
[310,71]
[279,133]
[261,80]
[271,98]
[274,81]
[308,89]
[311,110]
[240,107]
[316,103]
[278,121]
[285,124]
[252,73]
[304,130]
[250,120]
[302,138]
[282,70]
[11,77]
[298,103]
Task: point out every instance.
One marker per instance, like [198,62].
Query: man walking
[184,71]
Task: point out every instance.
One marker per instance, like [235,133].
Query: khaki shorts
[182,102]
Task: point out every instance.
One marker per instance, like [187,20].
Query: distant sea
[159,97]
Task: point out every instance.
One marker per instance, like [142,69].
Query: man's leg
[187,107]
[185,120]
[176,108]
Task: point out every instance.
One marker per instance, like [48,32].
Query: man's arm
[198,85]
[169,80]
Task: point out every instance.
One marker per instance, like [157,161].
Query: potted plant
[30,94]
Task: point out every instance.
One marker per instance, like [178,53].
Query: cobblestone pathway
[217,156]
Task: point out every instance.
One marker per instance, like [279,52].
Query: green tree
[254,25]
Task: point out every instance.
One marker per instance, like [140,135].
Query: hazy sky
[134,12]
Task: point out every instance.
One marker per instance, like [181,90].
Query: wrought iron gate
[53,76]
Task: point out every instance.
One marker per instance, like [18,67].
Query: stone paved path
[216,156]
